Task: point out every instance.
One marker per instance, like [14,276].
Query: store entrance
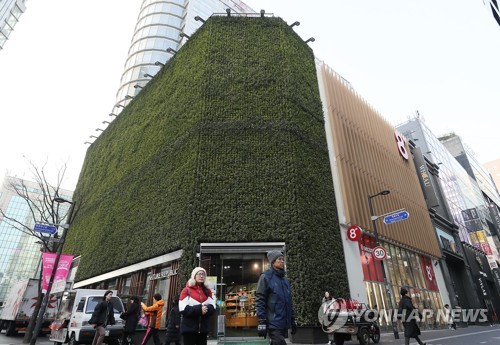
[236,276]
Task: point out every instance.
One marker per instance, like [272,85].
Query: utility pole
[46,297]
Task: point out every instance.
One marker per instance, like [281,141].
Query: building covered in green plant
[220,158]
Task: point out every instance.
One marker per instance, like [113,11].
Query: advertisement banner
[428,272]
[372,269]
[59,283]
[485,246]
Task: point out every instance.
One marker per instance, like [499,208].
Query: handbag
[143,321]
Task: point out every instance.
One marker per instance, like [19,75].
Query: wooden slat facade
[368,161]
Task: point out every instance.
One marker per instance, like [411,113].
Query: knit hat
[192,280]
[273,255]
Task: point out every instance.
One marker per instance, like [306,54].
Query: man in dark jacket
[409,316]
[274,301]
[101,317]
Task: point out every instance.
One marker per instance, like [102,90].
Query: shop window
[235,278]
[126,286]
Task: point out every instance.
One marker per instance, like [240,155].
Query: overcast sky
[61,68]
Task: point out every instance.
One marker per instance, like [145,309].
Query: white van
[72,321]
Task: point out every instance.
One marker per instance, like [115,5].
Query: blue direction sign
[396,217]
[45,228]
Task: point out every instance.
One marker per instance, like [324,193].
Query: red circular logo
[354,233]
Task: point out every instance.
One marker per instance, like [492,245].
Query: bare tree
[43,209]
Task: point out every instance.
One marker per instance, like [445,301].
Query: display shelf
[240,312]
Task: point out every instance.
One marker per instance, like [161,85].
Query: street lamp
[46,297]
[377,242]
[372,216]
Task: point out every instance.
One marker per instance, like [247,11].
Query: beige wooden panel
[369,162]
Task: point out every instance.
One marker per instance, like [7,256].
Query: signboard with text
[59,282]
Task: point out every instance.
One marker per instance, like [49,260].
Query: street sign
[45,228]
[354,233]
[396,217]
[379,253]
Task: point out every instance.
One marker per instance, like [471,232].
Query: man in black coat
[131,317]
[409,315]
[102,316]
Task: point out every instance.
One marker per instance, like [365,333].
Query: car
[72,322]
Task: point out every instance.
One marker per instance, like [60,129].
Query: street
[462,336]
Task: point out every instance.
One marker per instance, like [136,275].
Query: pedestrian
[273,289]
[154,314]
[326,302]
[173,334]
[131,317]
[449,317]
[196,305]
[102,316]
[408,313]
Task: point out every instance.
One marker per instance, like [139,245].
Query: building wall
[368,162]
[493,167]
[225,144]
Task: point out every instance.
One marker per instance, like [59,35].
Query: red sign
[354,233]
[372,270]
[379,253]
[428,272]
[485,246]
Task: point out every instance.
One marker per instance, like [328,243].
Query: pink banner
[48,260]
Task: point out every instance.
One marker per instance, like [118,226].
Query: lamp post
[46,297]
[377,242]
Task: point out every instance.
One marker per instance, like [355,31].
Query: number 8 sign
[379,253]
[354,233]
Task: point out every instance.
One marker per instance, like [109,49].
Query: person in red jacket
[196,305]
[154,317]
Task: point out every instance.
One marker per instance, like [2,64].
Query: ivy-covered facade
[226,144]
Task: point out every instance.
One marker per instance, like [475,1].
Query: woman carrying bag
[131,317]
[154,313]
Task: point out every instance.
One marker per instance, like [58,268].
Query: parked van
[72,321]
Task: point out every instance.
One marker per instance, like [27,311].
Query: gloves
[262,328]
[294,327]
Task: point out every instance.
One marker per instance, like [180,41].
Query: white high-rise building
[20,254]
[159,27]
[10,11]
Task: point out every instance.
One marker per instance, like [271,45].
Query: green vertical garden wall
[225,144]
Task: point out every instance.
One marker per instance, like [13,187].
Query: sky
[61,68]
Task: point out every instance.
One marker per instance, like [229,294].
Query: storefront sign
[354,233]
[425,177]
[491,261]
[481,286]
[485,246]
[163,274]
[400,141]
